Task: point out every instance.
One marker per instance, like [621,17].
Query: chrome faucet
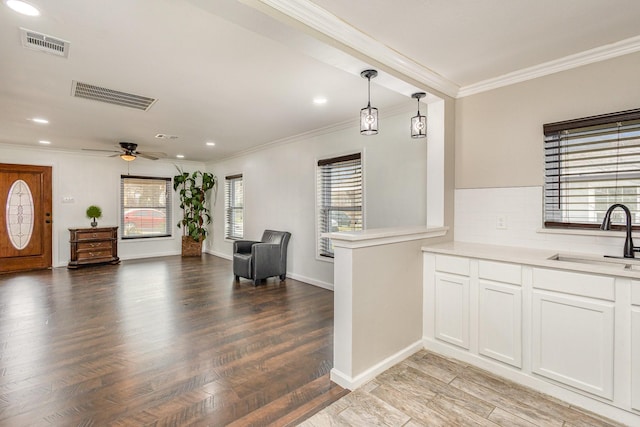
[629,249]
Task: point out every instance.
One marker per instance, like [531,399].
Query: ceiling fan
[128,152]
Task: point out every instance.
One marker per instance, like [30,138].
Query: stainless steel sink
[616,263]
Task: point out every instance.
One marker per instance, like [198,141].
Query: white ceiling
[228,72]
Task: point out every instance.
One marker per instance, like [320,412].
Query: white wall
[499,132]
[280,182]
[95,180]
[499,152]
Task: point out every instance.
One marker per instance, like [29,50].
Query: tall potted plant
[192,190]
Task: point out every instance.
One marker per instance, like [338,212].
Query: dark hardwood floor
[162,342]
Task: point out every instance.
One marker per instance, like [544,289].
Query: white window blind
[145,207]
[590,164]
[339,195]
[234,207]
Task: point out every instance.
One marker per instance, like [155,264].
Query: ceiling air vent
[165,136]
[42,42]
[110,96]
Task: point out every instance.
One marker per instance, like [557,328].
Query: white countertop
[383,236]
[623,267]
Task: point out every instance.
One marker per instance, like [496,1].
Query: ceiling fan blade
[103,151]
[146,156]
[157,154]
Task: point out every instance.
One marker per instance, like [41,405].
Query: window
[339,198]
[233,207]
[590,164]
[146,207]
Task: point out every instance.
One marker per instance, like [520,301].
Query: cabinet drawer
[568,282]
[500,272]
[100,253]
[90,235]
[452,264]
[92,246]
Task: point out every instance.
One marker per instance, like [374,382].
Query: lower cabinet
[635,346]
[452,309]
[500,322]
[568,333]
[573,341]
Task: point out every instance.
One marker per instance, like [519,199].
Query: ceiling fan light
[127,157]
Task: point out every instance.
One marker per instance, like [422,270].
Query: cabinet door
[452,309]
[573,341]
[635,358]
[500,322]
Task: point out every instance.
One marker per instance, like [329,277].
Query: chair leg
[256,282]
[282,277]
[237,278]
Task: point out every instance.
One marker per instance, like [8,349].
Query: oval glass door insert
[19,214]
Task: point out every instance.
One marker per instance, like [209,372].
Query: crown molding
[330,25]
[597,54]
[319,19]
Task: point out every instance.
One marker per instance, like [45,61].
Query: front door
[25,217]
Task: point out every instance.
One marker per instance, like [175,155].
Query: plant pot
[94,223]
[190,247]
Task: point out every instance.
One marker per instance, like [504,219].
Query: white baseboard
[311,281]
[147,255]
[219,254]
[350,383]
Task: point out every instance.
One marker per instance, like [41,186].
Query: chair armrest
[243,246]
[266,259]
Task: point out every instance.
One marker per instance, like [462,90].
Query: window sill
[584,232]
[145,239]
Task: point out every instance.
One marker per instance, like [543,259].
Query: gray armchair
[259,260]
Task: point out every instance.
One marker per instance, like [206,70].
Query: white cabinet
[500,311]
[571,333]
[573,336]
[635,345]
[451,300]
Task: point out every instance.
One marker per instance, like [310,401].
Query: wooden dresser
[93,246]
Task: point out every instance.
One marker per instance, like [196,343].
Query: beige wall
[499,133]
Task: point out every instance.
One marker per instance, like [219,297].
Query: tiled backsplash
[479,213]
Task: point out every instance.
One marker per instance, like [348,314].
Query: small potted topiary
[94,212]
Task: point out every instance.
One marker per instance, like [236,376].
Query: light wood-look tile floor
[430,390]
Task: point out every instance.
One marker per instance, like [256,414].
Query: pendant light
[369,115]
[419,122]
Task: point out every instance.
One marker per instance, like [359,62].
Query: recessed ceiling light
[22,7]
[319,100]
[211,144]
[180,156]
[40,120]
[42,141]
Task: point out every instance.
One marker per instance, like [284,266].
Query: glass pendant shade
[369,114]
[127,157]
[369,120]
[418,122]
[418,126]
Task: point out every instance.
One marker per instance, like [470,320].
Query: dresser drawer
[86,255]
[90,235]
[92,246]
